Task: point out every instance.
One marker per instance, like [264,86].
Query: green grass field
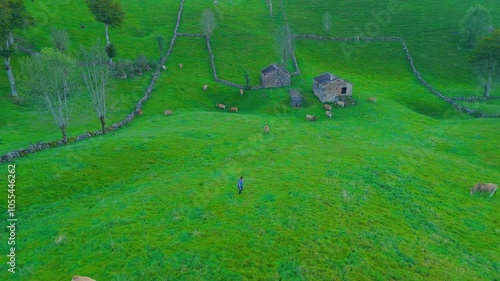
[379,192]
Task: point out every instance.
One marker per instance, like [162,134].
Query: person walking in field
[240,185]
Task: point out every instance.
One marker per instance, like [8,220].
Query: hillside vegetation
[378,192]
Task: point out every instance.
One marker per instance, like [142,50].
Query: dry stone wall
[452,101]
[32,148]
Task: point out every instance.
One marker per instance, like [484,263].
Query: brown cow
[311,118]
[167,112]
[81,278]
[484,187]
[205,87]
[220,106]
[234,109]
[329,114]
[327,106]
[241,92]
[374,100]
[180,65]
[340,103]
[139,111]
[266,129]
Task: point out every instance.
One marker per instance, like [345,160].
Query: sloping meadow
[380,191]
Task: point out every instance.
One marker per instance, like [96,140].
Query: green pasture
[378,192]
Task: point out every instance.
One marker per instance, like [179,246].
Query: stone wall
[32,148]
[228,83]
[214,71]
[452,101]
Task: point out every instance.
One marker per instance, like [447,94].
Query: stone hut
[330,88]
[275,76]
[295,98]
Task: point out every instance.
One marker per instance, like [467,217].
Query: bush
[128,69]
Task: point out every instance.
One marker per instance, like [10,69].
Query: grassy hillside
[379,192]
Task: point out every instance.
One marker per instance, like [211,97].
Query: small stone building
[275,76]
[330,88]
[295,98]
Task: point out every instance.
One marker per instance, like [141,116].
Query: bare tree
[486,59]
[270,5]
[208,23]
[247,79]
[60,39]
[51,77]
[6,53]
[475,24]
[13,15]
[161,44]
[485,70]
[284,43]
[96,74]
[327,22]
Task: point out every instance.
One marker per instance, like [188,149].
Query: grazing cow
[164,67]
[241,92]
[327,106]
[139,111]
[484,187]
[81,278]
[329,114]
[180,65]
[340,103]
[205,87]
[167,112]
[374,100]
[266,129]
[311,118]
[234,109]
[220,106]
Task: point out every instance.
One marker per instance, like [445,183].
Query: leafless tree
[486,59]
[60,39]
[485,70]
[13,16]
[161,44]
[475,25]
[96,74]
[51,77]
[327,22]
[208,23]
[284,44]
[270,5]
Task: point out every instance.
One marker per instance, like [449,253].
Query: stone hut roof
[294,92]
[271,68]
[325,78]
